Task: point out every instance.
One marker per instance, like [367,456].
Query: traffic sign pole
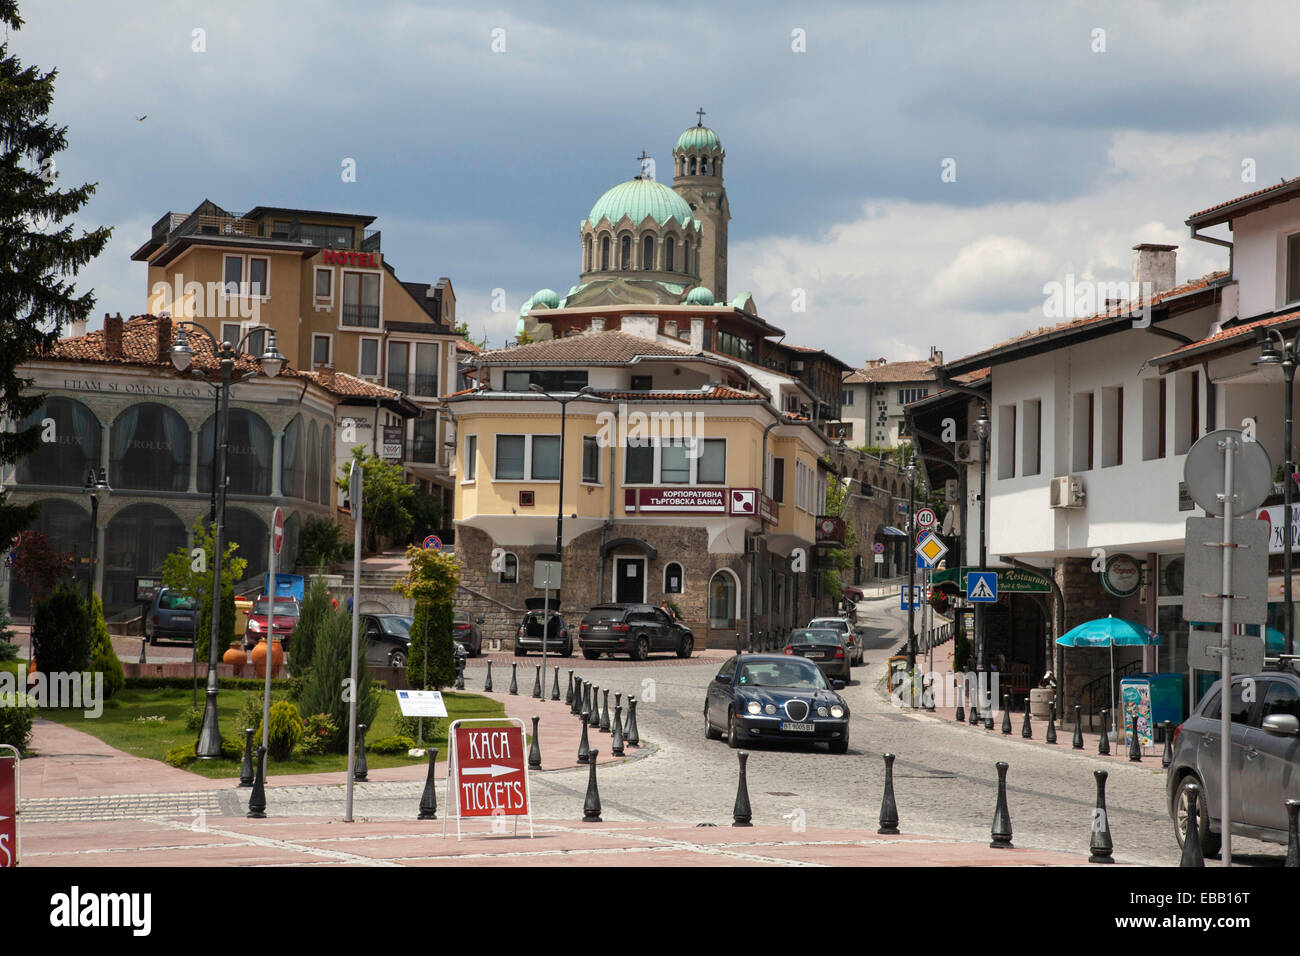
[1229,446]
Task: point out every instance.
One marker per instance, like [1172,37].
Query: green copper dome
[699,296]
[699,138]
[547,298]
[638,198]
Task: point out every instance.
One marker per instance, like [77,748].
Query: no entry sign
[277,530]
[8,807]
[489,771]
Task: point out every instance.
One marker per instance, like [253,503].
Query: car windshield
[829,622]
[286,608]
[172,601]
[823,635]
[792,673]
[395,624]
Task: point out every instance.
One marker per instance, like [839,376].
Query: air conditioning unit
[966,451]
[1067,492]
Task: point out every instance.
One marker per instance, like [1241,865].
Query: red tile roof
[1225,336]
[1256,194]
[606,347]
[712,394]
[922,371]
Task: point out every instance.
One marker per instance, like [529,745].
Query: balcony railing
[363,316]
[424,385]
[397,380]
[425,450]
[174,225]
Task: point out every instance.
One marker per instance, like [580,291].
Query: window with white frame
[673,578]
[471,457]
[324,283]
[527,458]
[697,461]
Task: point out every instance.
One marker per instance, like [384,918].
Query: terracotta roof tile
[1224,335]
[1258,192]
[922,371]
[716,393]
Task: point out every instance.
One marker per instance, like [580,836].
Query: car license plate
[183,619]
[804,727]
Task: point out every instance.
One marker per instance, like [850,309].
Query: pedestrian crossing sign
[982,586]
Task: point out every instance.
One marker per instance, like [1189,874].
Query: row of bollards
[974,718]
[256,778]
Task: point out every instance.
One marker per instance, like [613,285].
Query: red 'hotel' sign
[8,810]
[490,771]
[340,258]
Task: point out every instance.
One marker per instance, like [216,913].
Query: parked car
[844,626]
[283,622]
[775,697]
[174,616]
[528,636]
[828,647]
[388,639]
[466,631]
[633,629]
[1265,760]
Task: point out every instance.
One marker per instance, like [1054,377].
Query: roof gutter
[1196,234]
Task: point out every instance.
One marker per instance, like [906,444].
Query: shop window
[509,573]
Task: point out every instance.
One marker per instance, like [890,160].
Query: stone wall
[1085,600]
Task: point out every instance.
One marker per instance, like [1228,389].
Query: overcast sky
[480,164]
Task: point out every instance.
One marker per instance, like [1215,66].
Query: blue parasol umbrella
[1108,632]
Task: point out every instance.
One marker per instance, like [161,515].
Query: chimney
[697,335]
[113,335]
[670,327]
[164,336]
[936,355]
[76,328]
[1153,263]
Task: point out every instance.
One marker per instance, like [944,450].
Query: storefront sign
[1272,516]
[393,442]
[751,502]
[340,258]
[1012,580]
[675,500]
[1122,575]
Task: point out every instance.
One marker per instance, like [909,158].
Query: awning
[1013,580]
[642,546]
[893,532]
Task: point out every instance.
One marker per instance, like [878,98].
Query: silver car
[1265,760]
[850,633]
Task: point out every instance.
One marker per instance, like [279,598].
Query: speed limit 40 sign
[925,518]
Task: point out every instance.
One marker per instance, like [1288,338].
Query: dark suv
[633,629]
[173,617]
[1265,759]
[528,637]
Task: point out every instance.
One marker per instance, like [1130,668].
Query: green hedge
[282,684]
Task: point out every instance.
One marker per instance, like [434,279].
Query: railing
[397,380]
[370,241]
[365,316]
[174,225]
[423,450]
[1099,693]
[424,385]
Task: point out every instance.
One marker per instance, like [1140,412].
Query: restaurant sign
[1012,580]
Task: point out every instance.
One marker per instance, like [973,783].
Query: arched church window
[648,252]
[604,252]
[704,166]
[586,255]
[668,254]
[692,165]
[625,253]
[686,255]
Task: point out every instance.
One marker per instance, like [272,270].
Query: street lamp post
[982,429]
[911,564]
[559,511]
[1284,358]
[96,484]
[181,354]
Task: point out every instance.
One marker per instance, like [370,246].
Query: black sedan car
[387,639]
[465,630]
[830,648]
[528,636]
[632,629]
[775,697]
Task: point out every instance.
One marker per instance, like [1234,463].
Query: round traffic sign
[433,543]
[926,518]
[1252,472]
[878,547]
[277,530]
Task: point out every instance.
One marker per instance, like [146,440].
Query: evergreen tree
[431,583]
[39,251]
[103,658]
[331,666]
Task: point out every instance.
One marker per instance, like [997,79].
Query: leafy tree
[38,566]
[180,574]
[462,330]
[431,583]
[40,253]
[331,666]
[321,542]
[385,497]
[426,515]
[103,658]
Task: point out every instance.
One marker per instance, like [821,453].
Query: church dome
[638,198]
[699,296]
[545,298]
[698,138]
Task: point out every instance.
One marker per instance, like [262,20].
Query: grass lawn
[119,727]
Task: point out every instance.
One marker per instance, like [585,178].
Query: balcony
[173,225]
[420,384]
[424,450]
[361,316]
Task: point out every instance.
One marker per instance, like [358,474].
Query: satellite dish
[1252,472]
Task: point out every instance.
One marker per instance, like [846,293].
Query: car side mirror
[723,679]
[1281,725]
[837,685]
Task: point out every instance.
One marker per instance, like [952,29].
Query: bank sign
[1272,516]
[738,502]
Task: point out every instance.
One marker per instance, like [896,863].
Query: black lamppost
[181,354]
[983,427]
[96,485]
[910,471]
[1284,358]
[564,400]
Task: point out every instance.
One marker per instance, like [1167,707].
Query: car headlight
[822,712]
[754,707]
[770,708]
[837,711]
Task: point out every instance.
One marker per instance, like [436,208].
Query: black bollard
[535,749]
[1026,730]
[594,717]
[1076,742]
[888,808]
[487,684]
[1103,745]
[568,691]
[362,771]
[429,799]
[960,715]
[460,675]
[1293,833]
[555,686]
[257,799]
[575,694]
[1001,816]
[632,735]
[1167,757]
[246,770]
[1192,855]
[584,750]
[604,714]
[537,681]
[591,806]
[1101,844]
[1050,736]
[741,816]
[627,718]
[1006,714]
[1134,745]
[618,699]
[988,713]
[616,748]
[514,681]
[586,697]
[975,709]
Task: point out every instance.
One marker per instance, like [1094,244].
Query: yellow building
[680,477]
[321,281]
